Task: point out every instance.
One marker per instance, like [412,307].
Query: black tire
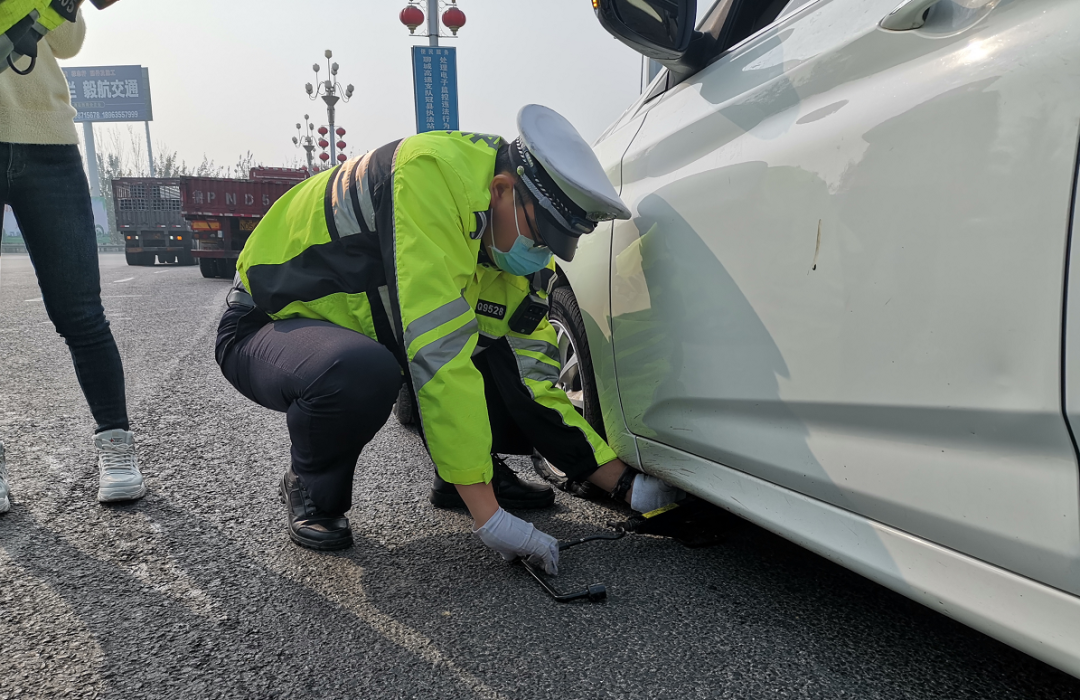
[208,267]
[226,268]
[148,259]
[576,378]
[185,258]
[405,407]
[133,258]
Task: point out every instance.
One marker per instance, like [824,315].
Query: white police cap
[570,186]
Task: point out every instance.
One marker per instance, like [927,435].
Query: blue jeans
[46,188]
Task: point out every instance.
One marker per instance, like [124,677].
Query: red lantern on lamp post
[454,19]
[339,131]
[412,17]
[324,156]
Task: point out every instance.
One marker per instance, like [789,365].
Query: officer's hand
[513,538]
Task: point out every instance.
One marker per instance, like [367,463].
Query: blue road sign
[435,86]
[110,93]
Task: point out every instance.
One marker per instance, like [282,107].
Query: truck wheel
[133,258]
[226,268]
[208,267]
[576,379]
[185,258]
[147,260]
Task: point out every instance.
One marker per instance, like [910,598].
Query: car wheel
[576,378]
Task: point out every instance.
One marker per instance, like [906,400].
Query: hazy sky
[227,76]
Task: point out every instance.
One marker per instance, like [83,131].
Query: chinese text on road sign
[110,93]
[435,84]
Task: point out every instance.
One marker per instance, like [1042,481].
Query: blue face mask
[523,258]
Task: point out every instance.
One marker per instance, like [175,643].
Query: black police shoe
[307,526]
[510,491]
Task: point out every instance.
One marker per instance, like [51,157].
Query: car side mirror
[658,29]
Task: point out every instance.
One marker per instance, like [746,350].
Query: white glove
[513,538]
[650,493]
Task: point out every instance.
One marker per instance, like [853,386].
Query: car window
[792,7]
[729,22]
[734,21]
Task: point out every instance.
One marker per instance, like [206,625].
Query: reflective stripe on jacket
[387,245]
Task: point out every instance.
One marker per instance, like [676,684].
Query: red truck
[223,212]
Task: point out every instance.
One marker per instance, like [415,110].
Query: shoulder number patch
[491,309]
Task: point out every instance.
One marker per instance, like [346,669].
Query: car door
[845,269]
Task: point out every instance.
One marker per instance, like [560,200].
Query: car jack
[691,522]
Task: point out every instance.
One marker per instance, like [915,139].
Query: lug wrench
[596,592]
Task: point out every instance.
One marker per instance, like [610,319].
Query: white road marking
[126,279]
[38,299]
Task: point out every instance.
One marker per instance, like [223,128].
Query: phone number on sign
[134,116]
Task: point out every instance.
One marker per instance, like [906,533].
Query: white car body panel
[1035,618]
[1072,320]
[845,279]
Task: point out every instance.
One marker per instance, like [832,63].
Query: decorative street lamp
[453,18]
[329,90]
[305,139]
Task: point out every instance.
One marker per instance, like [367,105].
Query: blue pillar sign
[435,85]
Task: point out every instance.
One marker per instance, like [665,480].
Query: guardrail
[18,249]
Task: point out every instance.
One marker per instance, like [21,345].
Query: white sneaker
[119,478]
[5,502]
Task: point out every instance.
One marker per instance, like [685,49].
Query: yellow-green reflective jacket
[387,244]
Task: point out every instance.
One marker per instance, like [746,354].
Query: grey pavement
[196,591]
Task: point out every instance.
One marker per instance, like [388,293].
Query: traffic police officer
[429,260]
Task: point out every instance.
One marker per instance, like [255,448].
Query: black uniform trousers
[336,388]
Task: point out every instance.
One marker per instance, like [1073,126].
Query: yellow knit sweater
[36,108]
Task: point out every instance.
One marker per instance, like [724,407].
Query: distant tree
[244,164]
[168,164]
[207,168]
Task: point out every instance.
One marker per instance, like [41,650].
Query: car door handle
[909,14]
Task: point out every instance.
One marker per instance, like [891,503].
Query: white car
[843,308]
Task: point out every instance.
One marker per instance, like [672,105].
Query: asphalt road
[196,591]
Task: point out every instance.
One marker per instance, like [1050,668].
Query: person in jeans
[42,179]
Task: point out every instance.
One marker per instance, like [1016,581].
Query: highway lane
[196,591]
